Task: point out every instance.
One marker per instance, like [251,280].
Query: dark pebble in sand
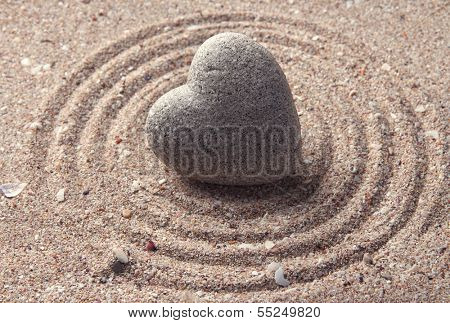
[117,267]
[360,278]
[150,246]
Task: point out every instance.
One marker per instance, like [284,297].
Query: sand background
[394,53]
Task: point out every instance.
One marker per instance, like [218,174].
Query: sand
[368,223]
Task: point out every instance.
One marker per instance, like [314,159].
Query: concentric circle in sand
[366,164]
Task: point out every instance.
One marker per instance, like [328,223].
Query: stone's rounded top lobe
[231,63]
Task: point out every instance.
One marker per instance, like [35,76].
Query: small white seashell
[12,189]
[279,278]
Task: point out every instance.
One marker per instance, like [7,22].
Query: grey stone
[280,279]
[367,258]
[234,122]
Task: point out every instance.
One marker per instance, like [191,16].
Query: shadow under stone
[244,201]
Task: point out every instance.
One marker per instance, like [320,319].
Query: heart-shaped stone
[234,122]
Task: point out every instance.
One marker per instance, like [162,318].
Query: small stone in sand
[367,258]
[60,196]
[420,108]
[35,125]
[360,277]
[120,255]
[126,213]
[386,67]
[118,267]
[269,244]
[162,181]
[126,153]
[25,61]
[135,186]
[193,27]
[150,246]
[118,140]
[279,278]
